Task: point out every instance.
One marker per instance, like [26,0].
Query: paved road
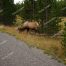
[13,52]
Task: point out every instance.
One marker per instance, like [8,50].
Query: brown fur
[29,26]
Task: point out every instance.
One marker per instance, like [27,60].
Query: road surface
[13,52]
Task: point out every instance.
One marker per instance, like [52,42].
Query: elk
[29,26]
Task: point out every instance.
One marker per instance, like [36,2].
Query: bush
[19,21]
[64,39]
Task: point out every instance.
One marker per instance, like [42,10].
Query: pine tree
[49,16]
[43,12]
[53,25]
[1,9]
[28,11]
[8,9]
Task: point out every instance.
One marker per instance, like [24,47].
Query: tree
[53,26]
[28,11]
[63,13]
[20,6]
[64,39]
[8,9]
[43,12]
[1,7]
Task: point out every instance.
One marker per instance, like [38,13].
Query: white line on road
[3,42]
[10,54]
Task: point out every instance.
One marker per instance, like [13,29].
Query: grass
[51,46]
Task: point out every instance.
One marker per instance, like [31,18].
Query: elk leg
[27,30]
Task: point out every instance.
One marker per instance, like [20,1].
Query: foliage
[19,21]
[53,26]
[48,15]
[37,10]
[8,9]
[28,9]
[64,39]
[1,14]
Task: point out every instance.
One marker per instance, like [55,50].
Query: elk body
[29,26]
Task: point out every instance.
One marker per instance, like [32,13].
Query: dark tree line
[43,11]
[8,8]
[47,12]
[1,7]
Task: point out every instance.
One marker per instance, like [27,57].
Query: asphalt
[14,52]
